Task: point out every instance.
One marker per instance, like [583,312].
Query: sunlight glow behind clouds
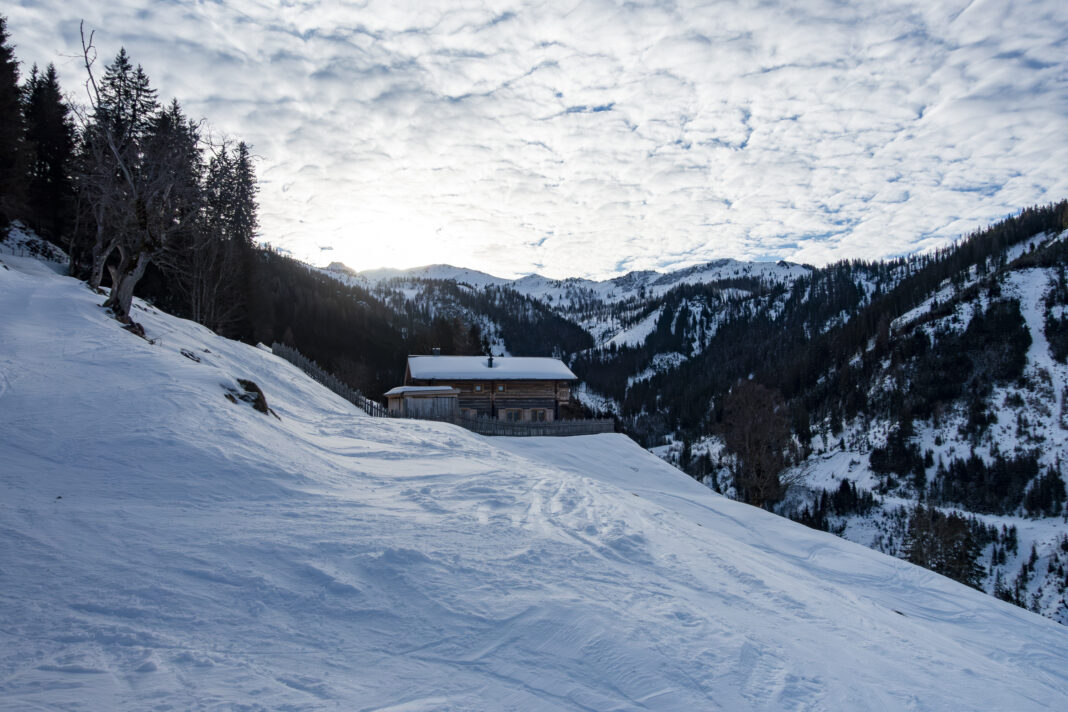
[589,138]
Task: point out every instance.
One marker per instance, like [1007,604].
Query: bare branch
[94,102]
[88,49]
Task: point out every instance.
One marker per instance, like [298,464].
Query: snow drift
[164,547]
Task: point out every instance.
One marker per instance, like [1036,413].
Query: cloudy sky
[592,138]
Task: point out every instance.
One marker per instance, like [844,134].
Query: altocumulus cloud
[585,138]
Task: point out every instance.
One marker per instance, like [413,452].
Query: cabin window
[538,415]
[513,415]
[478,388]
[500,388]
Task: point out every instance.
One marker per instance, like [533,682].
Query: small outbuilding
[423,401]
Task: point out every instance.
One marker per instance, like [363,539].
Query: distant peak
[341,267]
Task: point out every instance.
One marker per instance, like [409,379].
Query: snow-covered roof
[505,368]
[422,390]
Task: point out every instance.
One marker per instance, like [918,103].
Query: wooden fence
[490,426]
[325,378]
[504,428]
[482,426]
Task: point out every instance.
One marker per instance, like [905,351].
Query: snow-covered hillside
[166,547]
[1028,419]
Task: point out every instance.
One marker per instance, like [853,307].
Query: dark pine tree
[205,269]
[243,220]
[241,224]
[50,134]
[12,136]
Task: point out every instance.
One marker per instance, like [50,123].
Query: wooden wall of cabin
[486,399]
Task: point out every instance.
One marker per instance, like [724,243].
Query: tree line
[130,186]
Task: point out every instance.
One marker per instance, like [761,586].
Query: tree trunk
[124,278]
[96,272]
[101,252]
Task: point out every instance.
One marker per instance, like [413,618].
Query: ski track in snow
[162,548]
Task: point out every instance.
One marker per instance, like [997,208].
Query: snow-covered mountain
[612,311]
[429,272]
[167,545]
[571,292]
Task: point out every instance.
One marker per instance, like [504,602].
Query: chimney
[489,361]
[435,351]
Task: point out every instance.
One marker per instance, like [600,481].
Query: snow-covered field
[162,547]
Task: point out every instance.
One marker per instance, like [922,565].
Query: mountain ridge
[618,288]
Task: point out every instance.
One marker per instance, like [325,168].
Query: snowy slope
[638,333]
[162,547]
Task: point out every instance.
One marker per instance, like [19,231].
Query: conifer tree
[127,103]
[50,134]
[244,221]
[12,136]
[206,263]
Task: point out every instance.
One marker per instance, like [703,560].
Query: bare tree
[166,202]
[100,191]
[112,127]
[139,177]
[757,434]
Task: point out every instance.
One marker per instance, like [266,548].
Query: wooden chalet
[508,388]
